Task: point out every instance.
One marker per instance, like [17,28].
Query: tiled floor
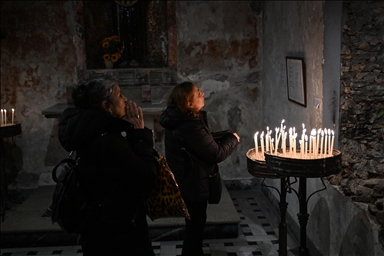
[258,234]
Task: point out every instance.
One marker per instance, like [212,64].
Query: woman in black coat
[117,163]
[186,127]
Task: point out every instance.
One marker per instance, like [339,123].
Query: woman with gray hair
[116,163]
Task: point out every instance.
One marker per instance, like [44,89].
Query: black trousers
[194,228]
[111,238]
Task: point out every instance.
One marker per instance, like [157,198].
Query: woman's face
[196,101]
[118,105]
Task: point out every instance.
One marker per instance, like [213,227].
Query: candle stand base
[259,169]
[303,169]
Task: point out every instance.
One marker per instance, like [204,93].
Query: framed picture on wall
[296,80]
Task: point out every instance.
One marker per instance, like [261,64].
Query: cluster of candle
[318,144]
[4,117]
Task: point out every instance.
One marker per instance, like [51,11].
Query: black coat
[193,134]
[114,170]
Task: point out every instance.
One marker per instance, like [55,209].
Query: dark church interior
[263,66]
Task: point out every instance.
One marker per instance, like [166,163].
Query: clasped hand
[135,115]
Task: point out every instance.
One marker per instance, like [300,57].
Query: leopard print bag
[164,199]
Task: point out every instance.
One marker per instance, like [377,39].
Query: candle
[313,136]
[329,142]
[317,141]
[266,140]
[276,140]
[310,144]
[5,116]
[325,141]
[321,143]
[331,148]
[294,144]
[2,116]
[256,146]
[13,116]
[290,140]
[301,142]
[262,144]
[306,146]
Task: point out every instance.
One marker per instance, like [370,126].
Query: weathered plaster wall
[37,62]
[291,28]
[219,50]
[336,225]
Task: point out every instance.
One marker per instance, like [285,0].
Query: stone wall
[362,105]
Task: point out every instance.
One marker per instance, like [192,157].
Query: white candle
[13,116]
[256,146]
[321,143]
[290,140]
[318,141]
[281,127]
[325,141]
[262,144]
[5,116]
[306,146]
[2,116]
[294,144]
[310,145]
[314,146]
[276,140]
[329,142]
[333,140]
[267,140]
[301,143]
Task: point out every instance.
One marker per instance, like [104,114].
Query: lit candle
[317,141]
[262,144]
[5,116]
[2,116]
[310,144]
[306,146]
[314,146]
[272,147]
[276,140]
[301,142]
[329,142]
[281,127]
[290,140]
[267,140]
[13,116]
[333,140]
[321,143]
[256,146]
[294,144]
[325,141]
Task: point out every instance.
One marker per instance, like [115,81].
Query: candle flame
[255,137]
[313,132]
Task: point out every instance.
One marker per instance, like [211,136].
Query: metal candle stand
[283,167]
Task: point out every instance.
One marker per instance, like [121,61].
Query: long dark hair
[180,96]
[92,93]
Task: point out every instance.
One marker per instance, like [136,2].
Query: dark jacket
[114,170]
[193,134]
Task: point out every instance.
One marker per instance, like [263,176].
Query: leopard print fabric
[164,199]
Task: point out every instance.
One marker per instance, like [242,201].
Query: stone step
[26,227]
